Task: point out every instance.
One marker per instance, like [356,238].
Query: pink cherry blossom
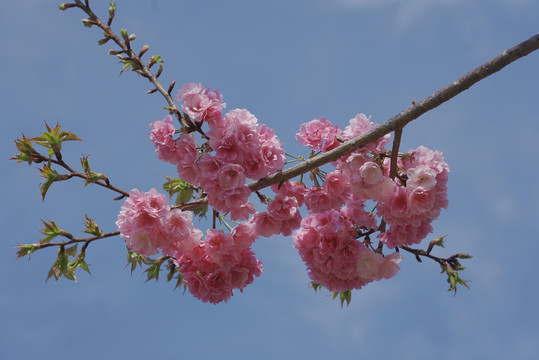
[139,220]
[230,176]
[421,176]
[327,245]
[361,124]
[319,135]
[200,103]
[161,136]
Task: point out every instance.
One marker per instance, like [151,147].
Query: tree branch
[397,122]
[406,116]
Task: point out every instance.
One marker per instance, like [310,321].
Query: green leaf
[85,164]
[156,59]
[79,263]
[464,256]
[316,286]
[201,211]
[346,296]
[51,230]
[70,252]
[54,271]
[53,138]
[173,186]
[127,64]
[62,265]
[90,227]
[25,249]
[453,279]
[184,196]
[153,271]
[180,281]
[135,259]
[93,177]
[440,241]
[27,151]
[51,176]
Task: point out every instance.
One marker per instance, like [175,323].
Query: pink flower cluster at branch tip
[213,268]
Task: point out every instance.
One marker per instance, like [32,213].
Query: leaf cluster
[153,268]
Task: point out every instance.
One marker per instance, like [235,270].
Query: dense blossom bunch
[327,244]
[333,239]
[222,263]
[242,149]
[147,223]
[328,240]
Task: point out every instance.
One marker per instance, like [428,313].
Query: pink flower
[361,124]
[369,264]
[208,166]
[374,266]
[319,200]
[408,233]
[200,103]
[319,135]
[390,267]
[244,235]
[242,211]
[236,137]
[355,211]
[230,176]
[421,176]
[139,220]
[161,136]
[187,162]
[292,188]
[218,266]
[180,233]
[327,245]
[337,184]
[220,248]
[266,225]
[283,207]
[421,201]
[370,183]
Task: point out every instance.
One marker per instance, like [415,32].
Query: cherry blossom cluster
[147,224]
[335,258]
[337,217]
[238,148]
[212,268]
[333,237]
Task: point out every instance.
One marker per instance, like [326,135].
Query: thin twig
[143,69]
[74,173]
[395,154]
[73,240]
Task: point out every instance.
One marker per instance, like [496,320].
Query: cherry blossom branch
[98,179]
[397,122]
[405,116]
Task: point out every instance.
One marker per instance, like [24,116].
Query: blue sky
[287,62]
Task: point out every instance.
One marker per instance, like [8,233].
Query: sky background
[287,62]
